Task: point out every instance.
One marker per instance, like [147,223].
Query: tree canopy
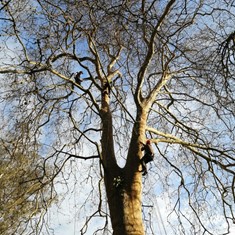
[92,80]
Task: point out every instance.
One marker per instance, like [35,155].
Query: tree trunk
[124,185]
[124,198]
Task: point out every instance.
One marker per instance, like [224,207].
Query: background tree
[150,69]
[24,187]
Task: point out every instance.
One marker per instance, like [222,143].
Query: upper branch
[150,53]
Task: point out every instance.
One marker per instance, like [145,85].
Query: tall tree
[95,79]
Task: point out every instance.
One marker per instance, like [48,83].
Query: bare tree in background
[94,79]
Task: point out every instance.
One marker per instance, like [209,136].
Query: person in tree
[77,77]
[148,156]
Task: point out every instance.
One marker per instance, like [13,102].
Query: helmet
[148,142]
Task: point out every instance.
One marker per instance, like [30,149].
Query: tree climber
[148,156]
[77,77]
